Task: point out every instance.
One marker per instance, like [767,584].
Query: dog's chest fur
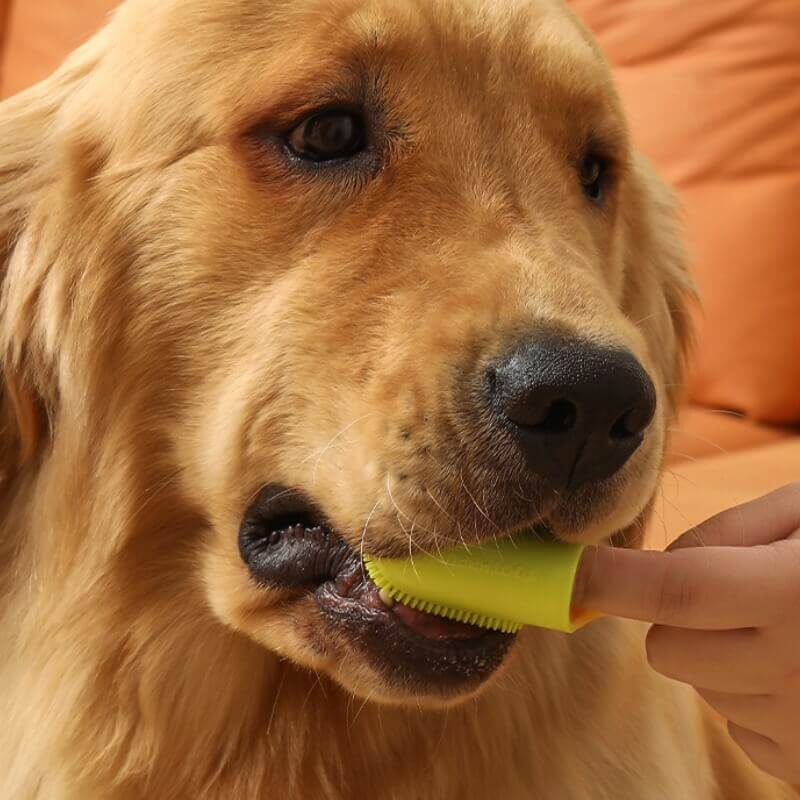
[220,719]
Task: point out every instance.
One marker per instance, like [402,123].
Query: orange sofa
[713,94]
[712,91]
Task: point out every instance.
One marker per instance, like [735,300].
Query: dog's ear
[659,290]
[31,163]
[23,122]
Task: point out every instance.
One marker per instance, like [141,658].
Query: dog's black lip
[313,559]
[404,657]
[285,540]
[329,599]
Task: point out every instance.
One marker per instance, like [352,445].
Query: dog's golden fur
[186,316]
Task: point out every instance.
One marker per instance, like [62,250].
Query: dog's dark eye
[328,135]
[593,176]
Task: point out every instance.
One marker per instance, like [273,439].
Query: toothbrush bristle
[457,614]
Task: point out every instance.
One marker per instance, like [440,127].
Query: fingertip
[616,580]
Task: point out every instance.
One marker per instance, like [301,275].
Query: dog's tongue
[421,622]
[433,627]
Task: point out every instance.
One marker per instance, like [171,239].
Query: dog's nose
[577,411]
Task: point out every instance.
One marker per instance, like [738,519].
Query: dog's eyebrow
[121,172]
[312,84]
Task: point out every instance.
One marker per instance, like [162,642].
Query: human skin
[723,601]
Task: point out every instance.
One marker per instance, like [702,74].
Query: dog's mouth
[286,542]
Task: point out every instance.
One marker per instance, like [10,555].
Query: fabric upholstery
[41,33]
[702,432]
[713,93]
[694,491]
[4,11]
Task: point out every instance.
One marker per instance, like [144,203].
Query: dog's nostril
[632,423]
[577,410]
[559,417]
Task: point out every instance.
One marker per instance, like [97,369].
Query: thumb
[767,519]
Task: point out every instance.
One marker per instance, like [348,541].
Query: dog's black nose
[578,411]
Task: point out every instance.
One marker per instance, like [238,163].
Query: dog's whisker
[452,519]
[436,543]
[276,698]
[272,498]
[399,513]
[367,699]
[167,482]
[679,477]
[363,538]
[686,456]
[317,682]
[402,513]
[461,536]
[472,497]
[675,508]
[697,436]
[438,504]
[445,720]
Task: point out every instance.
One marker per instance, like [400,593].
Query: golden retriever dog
[285,283]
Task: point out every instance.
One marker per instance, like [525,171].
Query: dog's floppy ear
[659,289]
[23,121]
[30,165]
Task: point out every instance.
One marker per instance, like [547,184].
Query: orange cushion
[41,33]
[693,491]
[702,432]
[713,94]
[4,11]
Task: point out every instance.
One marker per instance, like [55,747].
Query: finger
[767,519]
[756,712]
[764,753]
[723,661]
[711,588]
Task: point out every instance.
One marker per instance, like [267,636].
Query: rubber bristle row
[457,614]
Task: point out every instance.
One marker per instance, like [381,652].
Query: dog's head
[358,277]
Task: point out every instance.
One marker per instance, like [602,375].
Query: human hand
[725,600]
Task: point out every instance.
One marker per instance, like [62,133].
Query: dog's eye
[592,172]
[328,135]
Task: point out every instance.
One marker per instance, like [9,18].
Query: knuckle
[676,595]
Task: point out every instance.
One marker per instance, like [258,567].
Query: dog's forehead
[482,47]
[536,36]
[198,69]
[520,34]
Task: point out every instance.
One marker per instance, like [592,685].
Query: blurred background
[712,91]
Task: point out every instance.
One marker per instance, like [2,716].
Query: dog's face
[389,277]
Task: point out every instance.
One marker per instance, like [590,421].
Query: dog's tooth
[386,598]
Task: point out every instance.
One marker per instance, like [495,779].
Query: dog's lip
[289,544]
[420,651]
[355,585]
[314,557]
